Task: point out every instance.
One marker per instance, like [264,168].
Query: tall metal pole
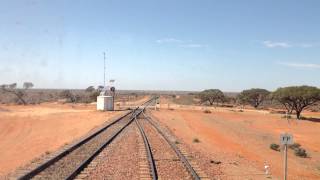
[285,161]
[104,69]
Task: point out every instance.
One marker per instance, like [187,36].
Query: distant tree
[254,96]
[12,89]
[100,88]
[231,100]
[27,85]
[12,86]
[211,96]
[93,95]
[67,94]
[90,89]
[297,98]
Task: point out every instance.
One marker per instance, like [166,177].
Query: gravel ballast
[120,160]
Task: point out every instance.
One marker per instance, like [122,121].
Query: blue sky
[161,45]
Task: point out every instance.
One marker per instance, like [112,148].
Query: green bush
[287,116]
[215,162]
[196,140]
[300,152]
[93,96]
[275,147]
[294,146]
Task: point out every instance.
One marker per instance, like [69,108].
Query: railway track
[71,161]
[150,156]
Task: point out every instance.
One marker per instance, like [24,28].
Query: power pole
[286,139]
[285,161]
[104,69]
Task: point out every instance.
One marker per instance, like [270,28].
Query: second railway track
[164,157]
[70,162]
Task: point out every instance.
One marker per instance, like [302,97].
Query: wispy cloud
[169,40]
[271,44]
[181,43]
[279,44]
[300,65]
[193,45]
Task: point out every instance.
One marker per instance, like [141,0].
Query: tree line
[19,93]
[293,98]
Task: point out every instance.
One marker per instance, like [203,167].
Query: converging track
[159,147]
[160,158]
[71,161]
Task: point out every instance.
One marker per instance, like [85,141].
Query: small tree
[27,85]
[297,98]
[100,88]
[211,96]
[19,93]
[90,89]
[11,86]
[254,96]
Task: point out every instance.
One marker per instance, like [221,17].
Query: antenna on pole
[104,69]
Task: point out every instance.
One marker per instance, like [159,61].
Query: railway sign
[286,139]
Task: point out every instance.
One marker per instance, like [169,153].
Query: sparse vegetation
[90,89]
[275,147]
[47,152]
[286,116]
[300,152]
[211,96]
[254,96]
[196,140]
[69,96]
[294,146]
[297,98]
[19,93]
[215,162]
[27,85]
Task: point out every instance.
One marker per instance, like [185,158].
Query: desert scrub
[215,162]
[275,147]
[47,152]
[286,117]
[196,140]
[207,111]
[300,152]
[294,146]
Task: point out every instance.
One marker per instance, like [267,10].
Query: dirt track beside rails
[241,140]
[26,132]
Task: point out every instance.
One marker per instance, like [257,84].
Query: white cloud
[169,40]
[274,44]
[181,43]
[193,45]
[271,44]
[300,65]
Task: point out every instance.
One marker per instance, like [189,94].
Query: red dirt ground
[241,140]
[26,132]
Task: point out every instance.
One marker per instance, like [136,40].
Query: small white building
[105,103]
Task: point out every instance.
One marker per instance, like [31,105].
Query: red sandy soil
[26,132]
[241,140]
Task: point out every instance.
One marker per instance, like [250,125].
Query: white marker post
[286,139]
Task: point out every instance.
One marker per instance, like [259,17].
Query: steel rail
[64,153]
[149,152]
[182,158]
[86,162]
